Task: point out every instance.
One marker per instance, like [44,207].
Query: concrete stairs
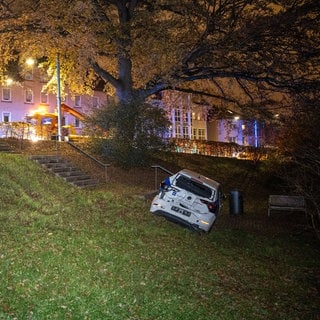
[4,146]
[65,169]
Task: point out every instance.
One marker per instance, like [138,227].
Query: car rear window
[193,186]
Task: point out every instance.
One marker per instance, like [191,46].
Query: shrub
[128,133]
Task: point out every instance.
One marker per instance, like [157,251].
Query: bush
[128,133]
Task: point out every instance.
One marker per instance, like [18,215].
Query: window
[6,94]
[28,96]
[28,75]
[194,134]
[186,117]
[177,115]
[6,117]
[77,123]
[77,101]
[201,134]
[201,116]
[44,98]
[43,75]
[185,132]
[178,131]
[194,187]
[95,102]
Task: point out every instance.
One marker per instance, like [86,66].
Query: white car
[189,198]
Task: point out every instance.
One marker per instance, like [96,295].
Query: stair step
[58,165]
[76,178]
[5,147]
[86,183]
[65,170]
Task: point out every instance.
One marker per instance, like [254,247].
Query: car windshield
[193,186]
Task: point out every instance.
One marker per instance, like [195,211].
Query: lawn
[68,253]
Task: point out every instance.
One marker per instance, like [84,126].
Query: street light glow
[9,81]
[30,62]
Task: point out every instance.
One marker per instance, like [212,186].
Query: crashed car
[190,199]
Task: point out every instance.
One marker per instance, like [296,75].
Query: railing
[156,167]
[103,165]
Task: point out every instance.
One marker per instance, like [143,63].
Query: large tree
[222,49]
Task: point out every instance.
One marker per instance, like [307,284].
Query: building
[192,121]
[188,120]
[29,102]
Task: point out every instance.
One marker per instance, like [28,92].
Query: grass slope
[68,253]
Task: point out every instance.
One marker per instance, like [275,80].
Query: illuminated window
[178,132]
[6,94]
[177,115]
[194,134]
[185,132]
[201,134]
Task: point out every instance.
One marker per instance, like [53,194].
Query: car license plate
[182,211]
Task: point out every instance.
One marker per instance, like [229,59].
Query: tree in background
[300,141]
[242,54]
[221,49]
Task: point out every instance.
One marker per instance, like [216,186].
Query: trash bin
[235,202]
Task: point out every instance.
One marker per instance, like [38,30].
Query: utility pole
[59,97]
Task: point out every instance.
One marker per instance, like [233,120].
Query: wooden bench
[286,203]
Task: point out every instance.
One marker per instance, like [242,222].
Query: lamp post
[58,97]
[256,137]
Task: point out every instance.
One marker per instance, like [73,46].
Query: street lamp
[30,62]
[58,97]
[9,81]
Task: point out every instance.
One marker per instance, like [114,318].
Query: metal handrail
[104,165]
[156,167]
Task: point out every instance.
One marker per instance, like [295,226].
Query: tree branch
[106,76]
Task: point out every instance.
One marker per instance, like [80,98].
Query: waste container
[235,202]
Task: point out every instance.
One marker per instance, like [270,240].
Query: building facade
[29,102]
[191,121]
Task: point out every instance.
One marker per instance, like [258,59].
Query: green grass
[68,253]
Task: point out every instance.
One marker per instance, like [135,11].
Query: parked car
[189,198]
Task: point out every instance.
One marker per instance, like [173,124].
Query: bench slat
[286,203]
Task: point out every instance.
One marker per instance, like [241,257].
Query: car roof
[197,176]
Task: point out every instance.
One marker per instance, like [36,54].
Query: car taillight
[211,205]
